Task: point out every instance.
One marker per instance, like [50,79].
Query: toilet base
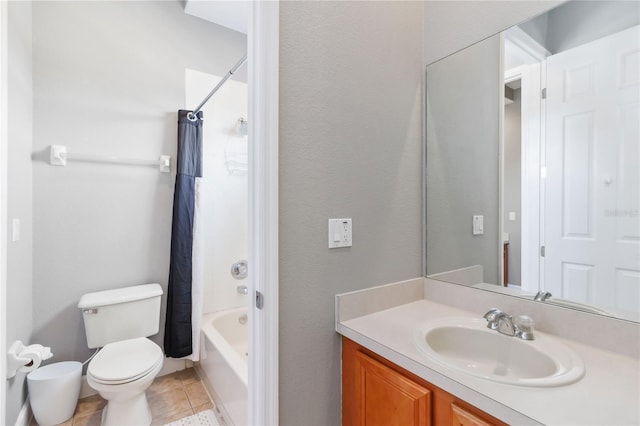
[133,411]
[126,402]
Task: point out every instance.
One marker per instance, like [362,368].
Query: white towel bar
[58,156]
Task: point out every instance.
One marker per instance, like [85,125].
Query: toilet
[119,321]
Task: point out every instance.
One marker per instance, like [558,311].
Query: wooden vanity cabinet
[377,392]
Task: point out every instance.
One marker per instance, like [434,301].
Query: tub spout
[242,289]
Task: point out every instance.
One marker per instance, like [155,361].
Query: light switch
[512,216]
[336,233]
[340,233]
[478,225]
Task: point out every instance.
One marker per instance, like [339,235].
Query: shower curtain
[185,289]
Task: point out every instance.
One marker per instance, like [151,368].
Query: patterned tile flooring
[171,397]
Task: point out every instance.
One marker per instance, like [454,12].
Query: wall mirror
[533,160]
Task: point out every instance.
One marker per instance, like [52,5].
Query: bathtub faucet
[242,289]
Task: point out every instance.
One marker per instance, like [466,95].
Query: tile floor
[170,397]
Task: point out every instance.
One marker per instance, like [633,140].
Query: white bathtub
[224,362]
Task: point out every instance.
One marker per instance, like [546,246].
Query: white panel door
[592,184]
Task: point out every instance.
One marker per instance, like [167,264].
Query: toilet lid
[124,361]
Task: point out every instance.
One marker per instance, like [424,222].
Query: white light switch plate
[340,233]
[478,225]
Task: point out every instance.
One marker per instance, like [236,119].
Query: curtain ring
[192,117]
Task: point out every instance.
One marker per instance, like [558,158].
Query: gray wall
[452,25]
[537,28]
[462,159]
[350,146]
[108,79]
[19,193]
[512,184]
[579,22]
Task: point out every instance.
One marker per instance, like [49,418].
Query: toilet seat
[125,361]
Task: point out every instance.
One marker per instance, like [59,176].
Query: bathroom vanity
[386,376]
[513,124]
[397,396]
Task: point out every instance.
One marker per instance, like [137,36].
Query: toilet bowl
[119,321]
[121,373]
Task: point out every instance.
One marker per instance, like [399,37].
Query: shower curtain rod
[192,115]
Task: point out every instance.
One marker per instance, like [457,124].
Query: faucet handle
[492,317]
[524,326]
[492,314]
[542,296]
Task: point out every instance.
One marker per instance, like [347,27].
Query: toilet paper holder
[25,358]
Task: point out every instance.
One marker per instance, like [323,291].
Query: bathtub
[224,363]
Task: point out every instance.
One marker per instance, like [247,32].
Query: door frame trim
[4,63]
[263,65]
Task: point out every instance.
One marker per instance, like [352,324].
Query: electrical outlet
[340,233]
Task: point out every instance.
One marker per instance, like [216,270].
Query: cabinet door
[462,417]
[387,398]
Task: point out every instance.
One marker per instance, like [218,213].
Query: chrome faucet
[242,289]
[521,327]
[542,296]
[492,318]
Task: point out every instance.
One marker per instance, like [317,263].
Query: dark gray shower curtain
[177,334]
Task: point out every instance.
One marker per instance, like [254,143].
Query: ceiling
[233,14]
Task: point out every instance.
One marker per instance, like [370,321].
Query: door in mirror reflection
[592,184]
[571,142]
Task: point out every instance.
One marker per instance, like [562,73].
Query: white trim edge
[263,52]
[25,414]
[527,47]
[501,105]
[85,389]
[531,190]
[3,208]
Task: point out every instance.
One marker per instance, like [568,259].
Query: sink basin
[467,345]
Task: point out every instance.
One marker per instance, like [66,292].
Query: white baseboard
[85,389]
[170,365]
[24,416]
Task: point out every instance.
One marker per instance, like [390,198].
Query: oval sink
[467,345]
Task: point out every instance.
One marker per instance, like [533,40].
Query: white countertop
[609,394]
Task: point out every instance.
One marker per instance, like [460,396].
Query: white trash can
[54,390]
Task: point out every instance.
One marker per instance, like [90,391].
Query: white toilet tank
[120,314]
